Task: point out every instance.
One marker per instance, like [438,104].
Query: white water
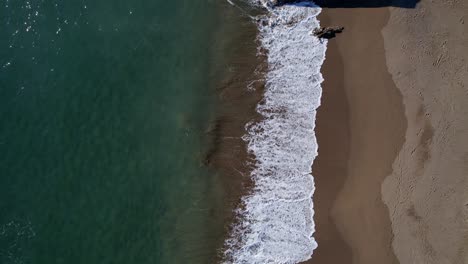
[277,218]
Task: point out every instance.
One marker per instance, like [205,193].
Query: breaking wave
[276,220]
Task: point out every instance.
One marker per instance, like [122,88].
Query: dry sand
[427,194]
[394,121]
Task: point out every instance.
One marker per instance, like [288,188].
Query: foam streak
[277,218]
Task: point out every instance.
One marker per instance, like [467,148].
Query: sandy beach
[391,175]
[392,130]
[372,123]
[427,193]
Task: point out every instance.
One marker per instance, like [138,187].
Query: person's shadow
[327,32]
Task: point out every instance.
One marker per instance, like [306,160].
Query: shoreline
[358,141]
[332,131]
[416,59]
[239,91]
[283,184]
[375,134]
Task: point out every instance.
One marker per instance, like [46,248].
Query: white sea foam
[276,224]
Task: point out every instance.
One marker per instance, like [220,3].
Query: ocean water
[103,112]
[277,217]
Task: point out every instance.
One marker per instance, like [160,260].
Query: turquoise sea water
[103,112]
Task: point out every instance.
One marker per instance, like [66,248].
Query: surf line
[276,220]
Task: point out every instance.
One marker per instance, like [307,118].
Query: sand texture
[427,55]
[392,170]
[360,130]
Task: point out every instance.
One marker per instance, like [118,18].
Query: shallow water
[103,112]
[276,222]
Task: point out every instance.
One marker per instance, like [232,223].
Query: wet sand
[360,129]
[392,173]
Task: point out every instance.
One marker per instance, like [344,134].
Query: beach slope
[391,174]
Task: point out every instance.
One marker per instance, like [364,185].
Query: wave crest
[277,218]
